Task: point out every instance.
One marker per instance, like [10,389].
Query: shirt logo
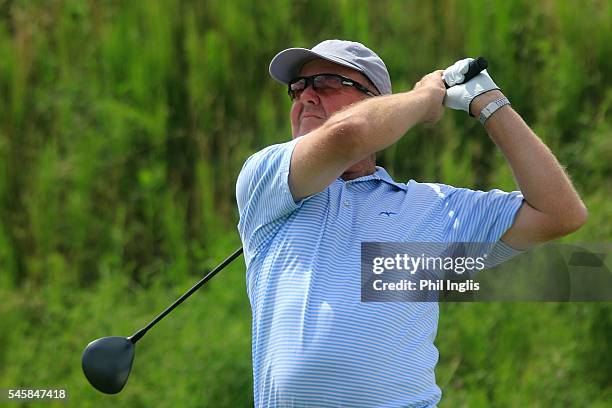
[387,213]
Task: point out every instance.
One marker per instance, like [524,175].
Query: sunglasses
[323,82]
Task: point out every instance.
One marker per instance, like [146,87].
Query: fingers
[432,79]
[455,73]
[435,78]
[465,65]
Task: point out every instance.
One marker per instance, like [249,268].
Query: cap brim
[286,64]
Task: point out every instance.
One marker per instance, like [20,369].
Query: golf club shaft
[474,68]
[138,335]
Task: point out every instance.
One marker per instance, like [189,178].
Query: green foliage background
[123,126]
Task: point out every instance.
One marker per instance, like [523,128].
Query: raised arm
[552,207]
[357,131]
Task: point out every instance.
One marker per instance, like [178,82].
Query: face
[313,108]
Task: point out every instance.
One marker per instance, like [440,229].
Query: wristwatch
[491,108]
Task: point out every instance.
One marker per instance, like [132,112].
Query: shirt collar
[379,174]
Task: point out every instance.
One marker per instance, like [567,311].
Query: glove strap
[491,108]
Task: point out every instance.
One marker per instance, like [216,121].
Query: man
[307,204]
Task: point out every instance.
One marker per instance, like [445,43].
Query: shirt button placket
[346,202]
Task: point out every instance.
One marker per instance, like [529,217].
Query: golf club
[107,361]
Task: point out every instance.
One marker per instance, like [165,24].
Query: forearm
[540,177]
[385,119]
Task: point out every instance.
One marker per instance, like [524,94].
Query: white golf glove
[460,96]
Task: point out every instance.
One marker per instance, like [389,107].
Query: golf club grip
[474,68]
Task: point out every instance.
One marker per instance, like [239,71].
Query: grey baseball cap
[287,63]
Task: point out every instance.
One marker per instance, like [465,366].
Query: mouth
[310,115]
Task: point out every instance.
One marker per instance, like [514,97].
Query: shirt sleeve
[263,196]
[476,216]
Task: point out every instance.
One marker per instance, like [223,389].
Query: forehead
[319,66]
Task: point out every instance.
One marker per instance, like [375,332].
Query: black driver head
[107,363]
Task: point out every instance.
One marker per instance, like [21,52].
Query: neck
[363,168]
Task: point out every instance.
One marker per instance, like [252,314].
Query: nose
[309,95]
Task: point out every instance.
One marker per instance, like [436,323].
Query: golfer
[307,204]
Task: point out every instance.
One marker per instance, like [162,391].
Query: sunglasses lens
[323,82]
[327,82]
[298,85]
[296,88]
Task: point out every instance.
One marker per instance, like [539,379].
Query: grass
[123,126]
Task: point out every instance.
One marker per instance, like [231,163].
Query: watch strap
[491,108]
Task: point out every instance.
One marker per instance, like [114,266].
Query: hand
[461,96]
[433,85]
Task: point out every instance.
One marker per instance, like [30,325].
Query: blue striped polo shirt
[314,343]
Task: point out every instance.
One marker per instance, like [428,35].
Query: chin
[309,128]
[303,132]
